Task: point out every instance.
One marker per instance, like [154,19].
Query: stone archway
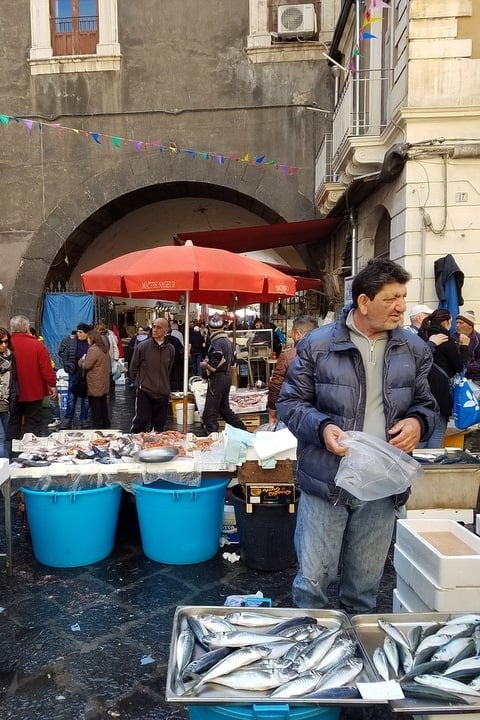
[103,198]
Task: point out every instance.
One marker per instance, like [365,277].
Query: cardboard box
[446,551]
[252,472]
[437,598]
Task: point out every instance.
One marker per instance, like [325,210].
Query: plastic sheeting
[61,314]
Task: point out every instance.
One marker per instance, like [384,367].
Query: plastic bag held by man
[372,469]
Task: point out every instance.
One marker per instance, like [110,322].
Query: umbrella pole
[234,341]
[186,343]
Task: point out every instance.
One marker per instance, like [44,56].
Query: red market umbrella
[202,275]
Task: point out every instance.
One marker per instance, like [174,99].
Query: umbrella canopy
[203,275]
[209,275]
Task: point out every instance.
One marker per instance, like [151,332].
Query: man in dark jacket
[150,370]
[362,373]
[72,348]
[218,364]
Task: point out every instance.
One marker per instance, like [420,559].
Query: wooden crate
[250,420]
[252,472]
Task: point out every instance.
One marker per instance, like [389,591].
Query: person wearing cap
[72,348]
[466,326]
[417,315]
[218,366]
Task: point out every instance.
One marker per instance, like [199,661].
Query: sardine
[299,686]
[316,652]
[476,640]
[184,649]
[342,649]
[394,633]
[448,684]
[406,658]
[427,692]
[206,661]
[453,649]
[293,621]
[253,619]
[342,674]
[466,668]
[414,636]
[240,638]
[391,652]
[475,683]
[198,630]
[215,623]
[469,619]
[347,692]
[381,663]
[234,661]
[427,668]
[256,680]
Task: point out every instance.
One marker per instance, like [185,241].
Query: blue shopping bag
[466,410]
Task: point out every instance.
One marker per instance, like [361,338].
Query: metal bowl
[158,454]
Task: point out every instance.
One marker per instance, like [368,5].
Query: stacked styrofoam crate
[438,566]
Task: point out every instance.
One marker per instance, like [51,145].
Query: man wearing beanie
[466,326]
[218,364]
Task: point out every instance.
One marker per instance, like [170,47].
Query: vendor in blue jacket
[364,372]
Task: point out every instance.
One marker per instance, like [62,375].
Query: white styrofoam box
[4,470]
[477,524]
[445,486]
[425,540]
[439,599]
[457,514]
[409,598]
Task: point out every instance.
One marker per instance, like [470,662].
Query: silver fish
[427,668]
[406,658]
[394,633]
[469,619]
[253,619]
[476,640]
[299,686]
[469,667]
[453,648]
[475,683]
[448,684]
[205,662]
[240,638]
[256,680]
[278,649]
[234,661]
[342,674]
[316,652]
[381,663]
[214,623]
[291,622]
[414,636]
[426,692]
[184,649]
[391,652]
[342,649]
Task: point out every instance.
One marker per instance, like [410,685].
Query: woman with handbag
[96,365]
[448,359]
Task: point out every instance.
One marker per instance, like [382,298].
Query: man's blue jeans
[72,404]
[345,542]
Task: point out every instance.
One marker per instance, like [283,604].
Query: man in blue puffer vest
[366,373]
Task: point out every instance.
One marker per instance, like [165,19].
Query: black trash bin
[266,535]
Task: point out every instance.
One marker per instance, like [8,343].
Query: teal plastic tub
[71,528]
[268,711]
[180,525]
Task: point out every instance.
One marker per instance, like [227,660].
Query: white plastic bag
[372,469]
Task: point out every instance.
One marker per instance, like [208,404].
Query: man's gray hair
[304,323]
[19,323]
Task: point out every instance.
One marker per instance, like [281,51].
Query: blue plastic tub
[269,711]
[71,528]
[180,525]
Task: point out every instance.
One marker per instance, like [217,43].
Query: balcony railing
[74,35]
[362,108]
[323,163]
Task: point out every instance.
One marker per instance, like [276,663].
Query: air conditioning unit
[297,21]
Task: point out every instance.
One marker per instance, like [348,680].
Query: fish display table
[207,458]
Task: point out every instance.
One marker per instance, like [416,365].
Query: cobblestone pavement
[123,608]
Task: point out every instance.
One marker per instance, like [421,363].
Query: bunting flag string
[368,19]
[143,145]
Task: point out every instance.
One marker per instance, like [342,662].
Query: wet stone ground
[92,643]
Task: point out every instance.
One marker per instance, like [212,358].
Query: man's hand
[331,436]
[405,434]
[52,392]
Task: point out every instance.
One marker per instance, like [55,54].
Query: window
[74,26]
[73,36]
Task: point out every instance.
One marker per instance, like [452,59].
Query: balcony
[74,35]
[355,146]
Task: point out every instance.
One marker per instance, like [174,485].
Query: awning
[262,237]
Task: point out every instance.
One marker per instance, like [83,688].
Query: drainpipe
[354,227]
[356,79]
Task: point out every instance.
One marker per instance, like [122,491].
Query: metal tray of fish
[254,663]
[442,648]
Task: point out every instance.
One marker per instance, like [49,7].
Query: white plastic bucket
[190,413]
